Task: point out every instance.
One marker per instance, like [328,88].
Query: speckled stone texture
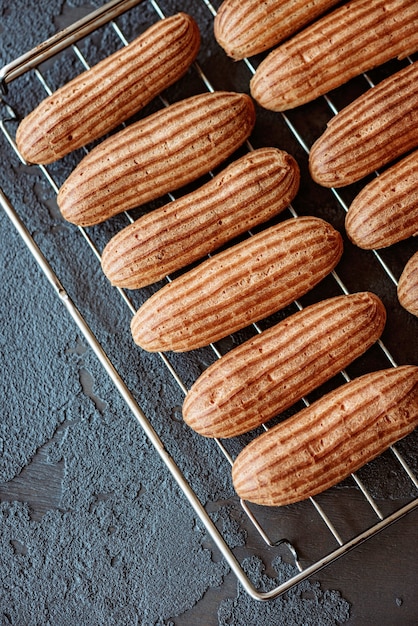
[94,530]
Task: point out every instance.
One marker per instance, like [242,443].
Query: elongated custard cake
[327,441]
[238,286]
[408,286]
[244,29]
[266,375]
[372,131]
[104,96]
[248,192]
[354,38]
[386,209]
[160,153]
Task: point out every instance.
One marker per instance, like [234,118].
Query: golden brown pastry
[408,286]
[266,375]
[243,29]
[375,129]
[386,209]
[248,192]
[160,153]
[101,98]
[327,441]
[238,286]
[350,40]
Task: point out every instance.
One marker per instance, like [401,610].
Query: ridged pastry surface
[373,130]
[266,375]
[327,441]
[352,39]
[244,29]
[101,98]
[408,286]
[248,192]
[238,286]
[160,153]
[386,209]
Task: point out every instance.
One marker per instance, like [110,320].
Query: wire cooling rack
[263,524]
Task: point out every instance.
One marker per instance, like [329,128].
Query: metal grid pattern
[29,63]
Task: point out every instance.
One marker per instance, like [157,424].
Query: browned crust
[238,286]
[248,192]
[266,375]
[244,29]
[386,210]
[327,441]
[350,40]
[101,98]
[375,129]
[160,153]
[408,286]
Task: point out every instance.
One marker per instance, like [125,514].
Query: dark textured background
[93,528]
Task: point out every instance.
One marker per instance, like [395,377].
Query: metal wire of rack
[30,62]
